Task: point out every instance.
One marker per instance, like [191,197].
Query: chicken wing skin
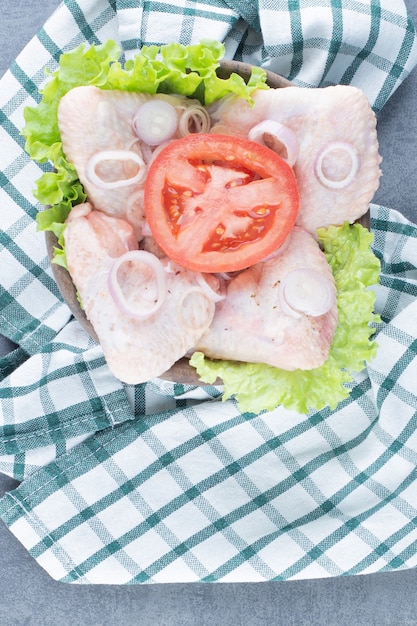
[335,129]
[92,121]
[251,325]
[135,350]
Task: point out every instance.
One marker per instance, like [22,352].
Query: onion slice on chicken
[305,291]
[276,137]
[194,119]
[155,122]
[139,257]
[212,286]
[195,309]
[114,155]
[337,165]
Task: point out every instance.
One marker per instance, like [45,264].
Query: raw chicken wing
[334,129]
[136,350]
[94,121]
[252,324]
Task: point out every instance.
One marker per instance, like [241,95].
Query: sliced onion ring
[155,122]
[157,151]
[115,155]
[116,292]
[201,324]
[334,183]
[306,291]
[211,293]
[277,137]
[194,119]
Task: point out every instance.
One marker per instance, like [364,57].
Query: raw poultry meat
[94,121]
[337,171]
[252,324]
[337,167]
[136,350]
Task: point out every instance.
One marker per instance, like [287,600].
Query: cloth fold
[163,482]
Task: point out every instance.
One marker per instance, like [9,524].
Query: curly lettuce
[258,387]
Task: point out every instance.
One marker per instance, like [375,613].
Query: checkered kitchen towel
[166,483]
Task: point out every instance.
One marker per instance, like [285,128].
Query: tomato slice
[217,203]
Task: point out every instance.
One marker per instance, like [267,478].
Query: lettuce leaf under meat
[260,387]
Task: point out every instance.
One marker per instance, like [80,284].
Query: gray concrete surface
[28,597]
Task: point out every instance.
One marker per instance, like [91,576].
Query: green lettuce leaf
[173,68]
[260,387]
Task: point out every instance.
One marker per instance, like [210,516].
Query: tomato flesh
[219,203]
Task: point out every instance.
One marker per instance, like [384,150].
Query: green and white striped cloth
[164,482]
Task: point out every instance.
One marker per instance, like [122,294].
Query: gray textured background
[28,597]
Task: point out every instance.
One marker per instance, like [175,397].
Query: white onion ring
[216,296]
[206,323]
[146,151]
[155,122]
[270,132]
[194,116]
[117,294]
[306,291]
[114,155]
[350,176]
